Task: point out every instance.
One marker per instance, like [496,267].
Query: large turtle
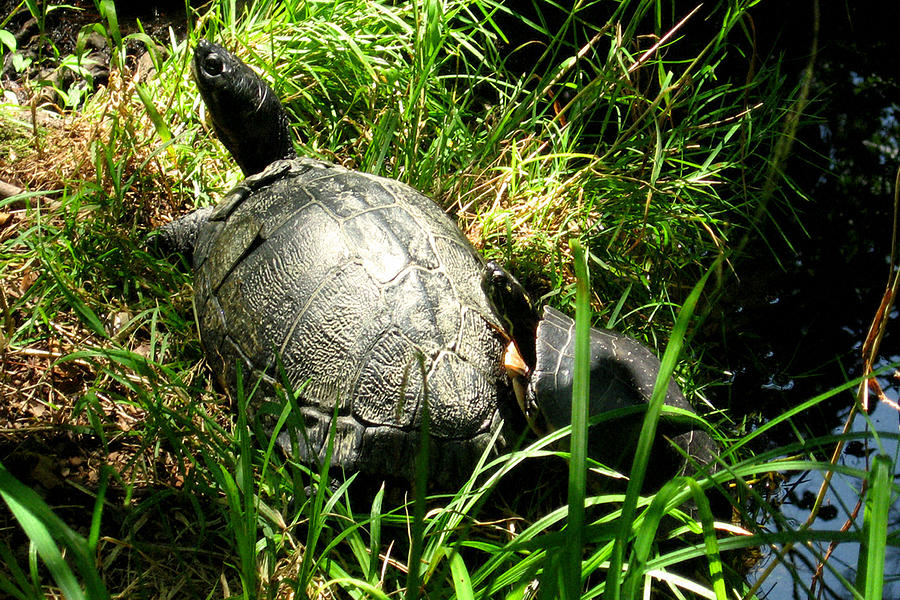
[364,290]
[371,299]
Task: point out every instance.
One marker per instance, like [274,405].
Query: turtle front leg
[180,236]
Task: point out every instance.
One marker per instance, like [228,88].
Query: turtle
[361,299]
[353,292]
[623,372]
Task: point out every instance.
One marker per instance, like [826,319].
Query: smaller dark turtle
[623,374]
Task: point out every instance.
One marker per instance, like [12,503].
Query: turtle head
[513,307]
[246,114]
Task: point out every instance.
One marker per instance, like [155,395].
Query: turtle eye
[213,65]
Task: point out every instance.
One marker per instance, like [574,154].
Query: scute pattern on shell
[368,294]
[622,374]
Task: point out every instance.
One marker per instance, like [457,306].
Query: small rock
[117,321]
[44,472]
[97,68]
[95,41]
[145,67]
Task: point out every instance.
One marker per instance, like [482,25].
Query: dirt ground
[40,415]
[49,410]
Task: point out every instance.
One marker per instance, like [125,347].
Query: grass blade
[462,583]
[571,566]
[45,529]
[42,540]
[648,434]
[872,550]
[84,312]
[417,534]
[375,535]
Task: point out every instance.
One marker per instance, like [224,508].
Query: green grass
[644,157]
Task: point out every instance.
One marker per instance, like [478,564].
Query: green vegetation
[628,144]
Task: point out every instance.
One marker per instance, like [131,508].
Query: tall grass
[618,136]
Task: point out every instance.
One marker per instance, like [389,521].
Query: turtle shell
[623,374]
[370,298]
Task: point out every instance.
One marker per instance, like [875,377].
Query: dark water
[794,327]
[806,340]
[840,501]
